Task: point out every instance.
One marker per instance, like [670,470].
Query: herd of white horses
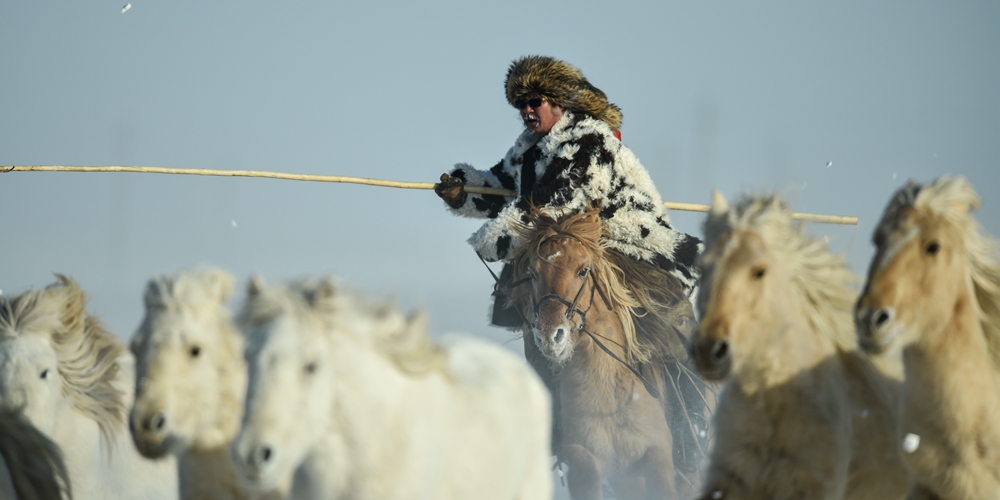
[312,390]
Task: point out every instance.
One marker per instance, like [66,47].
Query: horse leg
[659,473]
[584,475]
[921,492]
[628,487]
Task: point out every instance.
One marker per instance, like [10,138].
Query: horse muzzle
[555,342]
[255,462]
[713,358]
[876,326]
[150,434]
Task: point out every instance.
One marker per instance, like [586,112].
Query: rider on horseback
[569,160]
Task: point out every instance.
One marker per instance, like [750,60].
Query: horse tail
[688,405]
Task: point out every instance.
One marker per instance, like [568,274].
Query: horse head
[289,398]
[190,374]
[762,281]
[55,357]
[926,252]
[558,270]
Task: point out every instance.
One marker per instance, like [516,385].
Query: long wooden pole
[692,207]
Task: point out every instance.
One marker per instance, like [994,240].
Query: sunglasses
[523,103]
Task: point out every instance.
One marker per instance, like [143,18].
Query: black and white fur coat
[578,164]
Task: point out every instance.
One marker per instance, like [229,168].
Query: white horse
[191,380]
[375,410]
[31,465]
[70,375]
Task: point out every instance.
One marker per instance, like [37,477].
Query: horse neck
[84,451]
[592,373]
[232,376]
[786,350]
[953,364]
[369,389]
[375,399]
[208,473]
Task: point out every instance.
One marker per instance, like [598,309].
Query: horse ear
[719,204]
[152,297]
[416,321]
[219,284]
[327,289]
[971,198]
[256,285]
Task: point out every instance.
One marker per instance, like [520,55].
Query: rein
[570,309]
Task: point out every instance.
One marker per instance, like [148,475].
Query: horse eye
[195,351]
[583,272]
[45,374]
[311,368]
[758,273]
[933,248]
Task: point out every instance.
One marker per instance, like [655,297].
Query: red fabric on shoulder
[618,134]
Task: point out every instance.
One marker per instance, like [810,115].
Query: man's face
[541,118]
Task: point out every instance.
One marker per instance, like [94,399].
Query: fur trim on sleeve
[477,205]
[496,239]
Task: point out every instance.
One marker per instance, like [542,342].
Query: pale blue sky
[733,96]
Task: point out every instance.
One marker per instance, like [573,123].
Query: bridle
[571,308]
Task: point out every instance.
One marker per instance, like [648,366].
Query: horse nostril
[882,316]
[559,336]
[719,351]
[157,422]
[262,455]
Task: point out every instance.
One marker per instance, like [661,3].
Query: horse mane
[820,277]
[954,200]
[34,462]
[633,288]
[404,342]
[87,353]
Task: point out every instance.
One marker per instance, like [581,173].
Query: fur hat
[561,84]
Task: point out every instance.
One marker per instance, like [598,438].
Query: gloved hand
[451,190]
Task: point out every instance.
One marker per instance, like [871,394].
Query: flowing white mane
[339,310]
[87,353]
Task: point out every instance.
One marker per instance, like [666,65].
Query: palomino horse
[933,293]
[803,413]
[613,419]
[373,409]
[190,381]
[70,375]
[31,466]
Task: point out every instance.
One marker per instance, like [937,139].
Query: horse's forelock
[27,312]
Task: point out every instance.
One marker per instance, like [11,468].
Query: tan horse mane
[633,287]
[35,463]
[954,199]
[404,342]
[87,353]
[822,278]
